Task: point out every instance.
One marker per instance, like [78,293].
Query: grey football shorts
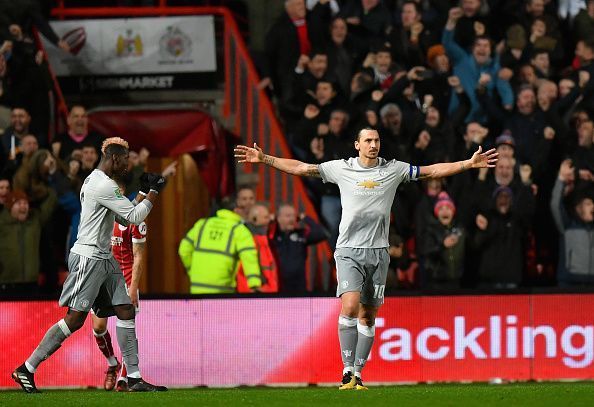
[94,284]
[362,270]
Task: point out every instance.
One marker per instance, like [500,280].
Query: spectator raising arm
[452,48]
[314,233]
[566,177]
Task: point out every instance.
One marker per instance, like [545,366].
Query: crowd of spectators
[25,80]
[40,210]
[39,198]
[282,240]
[30,194]
[41,173]
[438,78]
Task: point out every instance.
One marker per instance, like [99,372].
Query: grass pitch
[520,394]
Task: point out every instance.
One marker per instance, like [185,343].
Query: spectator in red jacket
[258,222]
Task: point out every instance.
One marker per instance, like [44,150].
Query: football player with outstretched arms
[367,186]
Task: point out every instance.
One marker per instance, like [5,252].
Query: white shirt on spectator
[570,8]
[334,7]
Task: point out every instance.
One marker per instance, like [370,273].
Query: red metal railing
[247,108]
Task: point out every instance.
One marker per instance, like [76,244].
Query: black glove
[145,184]
[156,182]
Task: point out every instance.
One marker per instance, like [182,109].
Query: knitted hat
[433,52]
[503,189]
[443,199]
[14,197]
[505,138]
[545,43]
[516,37]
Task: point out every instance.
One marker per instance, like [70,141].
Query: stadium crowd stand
[437,79]
[434,77]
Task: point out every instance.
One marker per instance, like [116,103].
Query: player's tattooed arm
[313,170]
[268,160]
[245,154]
[488,159]
[296,167]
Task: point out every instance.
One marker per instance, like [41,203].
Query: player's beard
[125,177]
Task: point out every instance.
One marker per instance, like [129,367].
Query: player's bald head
[259,215]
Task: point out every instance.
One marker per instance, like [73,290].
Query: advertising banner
[230,342]
[134,54]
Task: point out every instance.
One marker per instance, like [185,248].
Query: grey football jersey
[366,195]
[101,202]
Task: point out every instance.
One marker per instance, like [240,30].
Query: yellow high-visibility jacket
[210,252]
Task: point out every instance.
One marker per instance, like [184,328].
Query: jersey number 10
[379,291]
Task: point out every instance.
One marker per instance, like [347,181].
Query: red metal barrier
[249,111]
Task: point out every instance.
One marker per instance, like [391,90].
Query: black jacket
[291,251]
[282,44]
[442,264]
[502,248]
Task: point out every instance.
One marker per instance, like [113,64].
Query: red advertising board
[230,342]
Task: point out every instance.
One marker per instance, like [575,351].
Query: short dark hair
[537,52]
[228,202]
[524,87]
[416,5]
[589,43]
[87,144]
[482,37]
[362,130]
[342,111]
[327,79]
[285,204]
[526,66]
[76,106]
[385,48]
[242,187]
[19,106]
[319,50]
[114,149]
[579,197]
[364,80]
